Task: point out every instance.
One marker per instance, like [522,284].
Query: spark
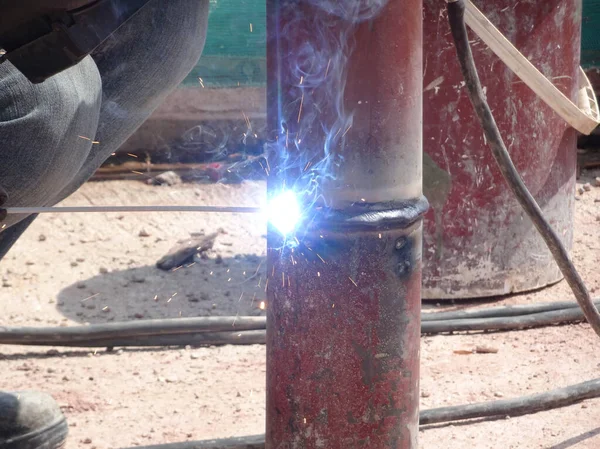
[333,306]
[318,274]
[322,260]
[246,119]
[177,268]
[262,305]
[155,297]
[4,225]
[352,280]
[87,138]
[283,279]
[266,284]
[300,110]
[380,235]
[229,280]
[211,273]
[105,308]
[251,27]
[138,172]
[201,82]
[253,298]
[301,79]
[347,129]
[308,164]
[90,297]
[327,69]
[132,155]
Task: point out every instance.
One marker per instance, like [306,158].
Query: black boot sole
[53,436]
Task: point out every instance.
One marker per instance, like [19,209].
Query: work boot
[31,420]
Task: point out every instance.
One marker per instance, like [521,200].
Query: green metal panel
[235,50]
[590,34]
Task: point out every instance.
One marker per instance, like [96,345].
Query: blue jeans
[47,129]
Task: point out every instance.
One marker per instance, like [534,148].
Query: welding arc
[251,330]
[84,209]
[456,11]
[560,397]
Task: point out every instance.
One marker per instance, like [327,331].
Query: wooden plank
[526,71]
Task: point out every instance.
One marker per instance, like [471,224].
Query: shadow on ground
[234,286]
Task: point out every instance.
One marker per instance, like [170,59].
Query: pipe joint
[372,216]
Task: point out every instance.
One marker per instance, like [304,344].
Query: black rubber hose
[205,331]
[456,9]
[524,405]
[502,311]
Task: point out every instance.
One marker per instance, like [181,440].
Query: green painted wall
[235,50]
[590,34]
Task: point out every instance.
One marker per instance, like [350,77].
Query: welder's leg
[41,150]
[140,64]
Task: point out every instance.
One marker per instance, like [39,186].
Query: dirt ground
[74,269]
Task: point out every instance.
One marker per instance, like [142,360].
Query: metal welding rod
[76,209]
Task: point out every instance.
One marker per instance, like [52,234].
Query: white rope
[76,209]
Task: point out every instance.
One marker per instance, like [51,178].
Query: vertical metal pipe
[343,320]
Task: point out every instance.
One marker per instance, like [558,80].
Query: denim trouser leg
[104,98]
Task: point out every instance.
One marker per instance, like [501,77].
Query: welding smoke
[351,10]
[314,39]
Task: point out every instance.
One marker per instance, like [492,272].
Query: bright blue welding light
[283,212]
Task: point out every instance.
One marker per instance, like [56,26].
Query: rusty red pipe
[343,321]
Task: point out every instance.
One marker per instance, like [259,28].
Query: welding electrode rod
[456,11]
[76,209]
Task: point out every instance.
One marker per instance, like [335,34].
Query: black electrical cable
[524,405]
[456,10]
[502,311]
[202,331]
